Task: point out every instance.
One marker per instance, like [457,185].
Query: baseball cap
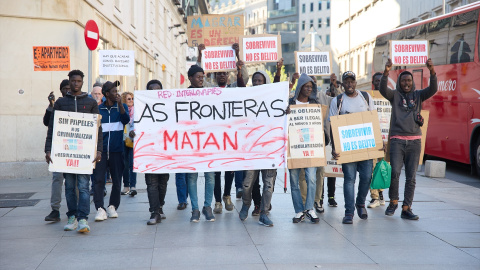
[349,74]
[109,85]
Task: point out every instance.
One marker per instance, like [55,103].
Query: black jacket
[81,103]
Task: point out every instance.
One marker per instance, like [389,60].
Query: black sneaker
[318,207]
[207,212]
[256,211]
[53,216]
[133,192]
[347,220]
[181,206]
[162,215]
[332,202]
[408,214]
[299,217]
[154,219]
[391,209]
[361,211]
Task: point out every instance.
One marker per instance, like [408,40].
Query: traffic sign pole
[92,36]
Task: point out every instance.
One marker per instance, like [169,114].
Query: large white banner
[210,129]
[116,62]
[74,142]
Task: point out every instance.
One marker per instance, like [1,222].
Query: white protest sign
[332,169]
[219,59]
[74,142]
[210,129]
[306,142]
[409,52]
[313,63]
[116,62]
[384,110]
[260,48]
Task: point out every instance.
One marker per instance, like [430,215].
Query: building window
[327,42]
[311,7]
[319,23]
[311,23]
[319,5]
[328,5]
[328,21]
[303,8]
[275,4]
[303,39]
[303,25]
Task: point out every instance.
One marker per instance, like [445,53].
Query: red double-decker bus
[454,126]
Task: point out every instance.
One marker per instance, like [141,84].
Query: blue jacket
[113,124]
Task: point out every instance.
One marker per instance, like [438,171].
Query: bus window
[438,37]
[381,53]
[462,37]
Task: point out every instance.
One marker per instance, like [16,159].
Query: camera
[419,119]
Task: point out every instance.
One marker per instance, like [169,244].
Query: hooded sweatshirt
[403,122]
[264,74]
[70,103]
[312,99]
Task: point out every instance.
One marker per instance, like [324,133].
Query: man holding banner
[76,101]
[405,133]
[353,101]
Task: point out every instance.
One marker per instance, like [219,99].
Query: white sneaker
[373,203]
[111,212]
[382,202]
[101,215]
[71,224]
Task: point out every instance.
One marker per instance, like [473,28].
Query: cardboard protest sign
[74,142]
[214,29]
[219,59]
[306,140]
[332,169]
[116,62]
[384,110]
[409,52]
[51,58]
[357,136]
[260,48]
[313,63]
[211,129]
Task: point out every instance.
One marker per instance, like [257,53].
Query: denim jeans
[192,188]
[182,188]
[56,196]
[310,177]
[156,190]
[408,153]
[319,184]
[77,206]
[364,169]
[268,177]
[129,177]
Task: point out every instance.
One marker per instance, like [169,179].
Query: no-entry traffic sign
[91,35]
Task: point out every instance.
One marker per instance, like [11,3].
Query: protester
[129,177]
[196,76]
[99,98]
[376,194]
[323,99]
[57,178]
[405,133]
[114,118]
[268,175]
[156,183]
[78,206]
[305,93]
[353,101]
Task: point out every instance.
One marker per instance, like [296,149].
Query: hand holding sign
[201,47]
[240,64]
[236,47]
[430,66]
[388,66]
[279,64]
[48,158]
[335,155]
[98,157]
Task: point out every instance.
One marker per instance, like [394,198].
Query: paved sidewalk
[447,236]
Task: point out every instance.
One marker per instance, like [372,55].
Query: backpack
[340,99]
